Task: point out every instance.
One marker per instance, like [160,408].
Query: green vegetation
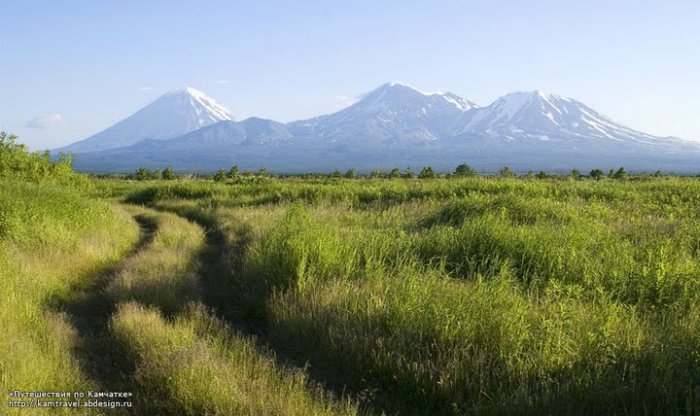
[469,296]
[427,173]
[52,239]
[168,174]
[506,172]
[464,170]
[193,364]
[220,175]
[82,312]
[18,164]
[383,294]
[165,274]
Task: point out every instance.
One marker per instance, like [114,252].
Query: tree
[409,173]
[575,174]
[233,172]
[350,174]
[541,175]
[657,174]
[168,173]
[335,174]
[506,172]
[596,174]
[7,141]
[220,175]
[620,174]
[464,170]
[427,173]
[395,173]
[143,174]
[379,173]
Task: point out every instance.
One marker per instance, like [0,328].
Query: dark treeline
[461,171]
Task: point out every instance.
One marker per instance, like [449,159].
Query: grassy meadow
[54,240]
[466,296]
[330,296]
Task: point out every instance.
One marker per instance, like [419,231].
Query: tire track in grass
[216,268]
[143,330]
[90,310]
[219,261]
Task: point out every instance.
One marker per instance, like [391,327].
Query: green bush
[16,162]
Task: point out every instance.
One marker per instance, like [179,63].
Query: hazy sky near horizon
[72,68]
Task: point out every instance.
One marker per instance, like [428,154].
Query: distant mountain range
[394,125]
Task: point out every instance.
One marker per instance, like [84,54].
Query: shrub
[506,172]
[16,162]
[427,173]
[220,175]
[620,174]
[168,174]
[144,174]
[596,174]
[464,170]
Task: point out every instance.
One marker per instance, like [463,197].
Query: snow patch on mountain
[457,101]
[523,115]
[392,112]
[202,104]
[171,115]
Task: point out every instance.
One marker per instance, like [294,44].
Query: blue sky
[72,68]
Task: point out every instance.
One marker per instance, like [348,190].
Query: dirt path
[90,311]
[219,263]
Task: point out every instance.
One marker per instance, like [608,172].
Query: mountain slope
[535,115]
[171,115]
[391,112]
[227,134]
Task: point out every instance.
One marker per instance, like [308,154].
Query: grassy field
[52,242]
[106,297]
[467,296]
[331,296]
[188,362]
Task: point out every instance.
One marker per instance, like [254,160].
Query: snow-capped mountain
[536,115]
[396,125]
[392,112]
[171,115]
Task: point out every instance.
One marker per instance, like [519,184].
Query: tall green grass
[430,345]
[186,361]
[52,240]
[166,273]
[194,366]
[473,296]
[362,192]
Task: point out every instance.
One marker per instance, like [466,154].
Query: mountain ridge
[395,125]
